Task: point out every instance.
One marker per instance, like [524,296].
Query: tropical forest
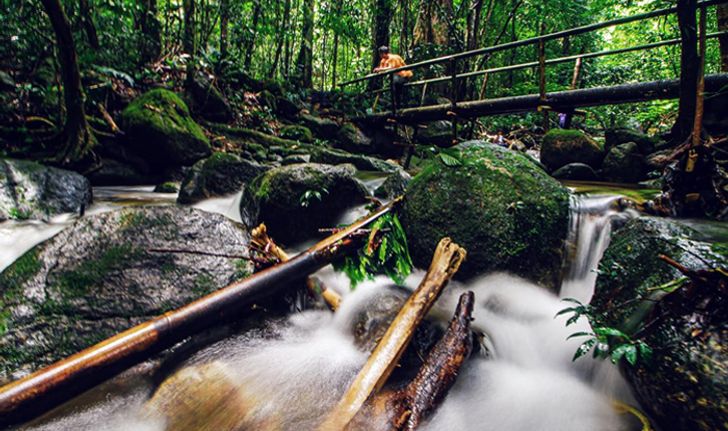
[375,215]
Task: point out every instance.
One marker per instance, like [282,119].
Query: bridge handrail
[565,59]
[532,40]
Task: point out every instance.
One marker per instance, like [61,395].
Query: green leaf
[573,319]
[574,300]
[449,160]
[645,351]
[611,332]
[579,334]
[566,310]
[584,348]
[631,354]
[619,352]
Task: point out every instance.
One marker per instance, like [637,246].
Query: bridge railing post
[454,95]
[542,79]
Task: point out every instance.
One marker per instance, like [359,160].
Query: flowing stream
[290,372]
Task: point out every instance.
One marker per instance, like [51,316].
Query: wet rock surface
[575,172]
[684,385]
[624,164]
[500,206]
[29,190]
[294,201]
[99,277]
[217,175]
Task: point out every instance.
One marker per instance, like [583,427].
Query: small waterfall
[591,221]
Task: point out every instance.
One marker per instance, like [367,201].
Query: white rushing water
[293,371]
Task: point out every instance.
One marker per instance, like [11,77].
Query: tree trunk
[76,139]
[281,37]
[224,24]
[188,39]
[151,44]
[686,15]
[722,11]
[405,30]
[304,62]
[250,46]
[380,33]
[471,38]
[434,23]
[88,25]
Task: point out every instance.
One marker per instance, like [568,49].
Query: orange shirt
[394,61]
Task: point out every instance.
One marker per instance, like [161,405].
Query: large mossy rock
[685,385]
[505,210]
[98,277]
[29,190]
[294,201]
[218,175]
[624,164]
[159,128]
[618,136]
[561,147]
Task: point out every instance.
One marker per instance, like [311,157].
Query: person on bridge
[394,61]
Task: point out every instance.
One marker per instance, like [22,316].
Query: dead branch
[445,263]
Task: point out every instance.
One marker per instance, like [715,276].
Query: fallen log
[559,101]
[407,408]
[438,374]
[445,263]
[39,392]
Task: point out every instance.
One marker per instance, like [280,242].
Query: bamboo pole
[559,60]
[445,263]
[613,95]
[37,393]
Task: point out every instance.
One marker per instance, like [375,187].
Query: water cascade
[288,373]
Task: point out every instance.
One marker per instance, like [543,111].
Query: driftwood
[445,263]
[407,408]
[265,244]
[39,392]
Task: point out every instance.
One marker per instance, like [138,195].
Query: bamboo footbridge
[561,101]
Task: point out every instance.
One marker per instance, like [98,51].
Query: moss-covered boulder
[575,172]
[98,277]
[159,128]
[624,164]
[218,175]
[563,146]
[395,185]
[351,138]
[29,190]
[685,385]
[166,187]
[506,211]
[297,133]
[621,135]
[294,201]
[207,101]
[323,128]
